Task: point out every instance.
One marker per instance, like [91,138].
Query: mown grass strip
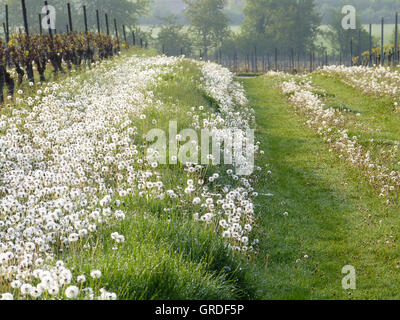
[334,217]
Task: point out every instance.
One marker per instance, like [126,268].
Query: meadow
[87,212]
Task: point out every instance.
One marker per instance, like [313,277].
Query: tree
[288,24]
[341,39]
[208,23]
[163,9]
[172,39]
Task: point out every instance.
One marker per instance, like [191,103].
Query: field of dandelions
[84,214]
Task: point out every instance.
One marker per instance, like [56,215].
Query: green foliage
[160,9]
[145,35]
[208,23]
[172,40]
[340,39]
[370,11]
[281,24]
[234,11]
[164,258]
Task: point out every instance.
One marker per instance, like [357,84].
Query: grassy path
[334,218]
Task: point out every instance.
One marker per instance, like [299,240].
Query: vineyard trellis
[22,52]
[288,60]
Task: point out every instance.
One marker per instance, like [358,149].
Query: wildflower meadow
[75,177]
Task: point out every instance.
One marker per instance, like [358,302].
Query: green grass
[376,113]
[335,217]
[164,258]
[377,119]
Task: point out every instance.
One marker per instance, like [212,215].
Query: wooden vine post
[29,66]
[107,25]
[351,52]
[71,29]
[124,32]
[47,13]
[98,21]
[396,43]
[116,29]
[382,42]
[85,20]
[7,25]
[40,24]
[359,47]
[24,14]
[370,45]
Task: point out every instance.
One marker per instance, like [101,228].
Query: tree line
[370,11]
[287,25]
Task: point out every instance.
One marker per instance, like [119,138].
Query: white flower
[26,288]
[71,292]
[226,234]
[53,290]
[95,274]
[16,284]
[73,237]
[35,292]
[7,296]
[105,295]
